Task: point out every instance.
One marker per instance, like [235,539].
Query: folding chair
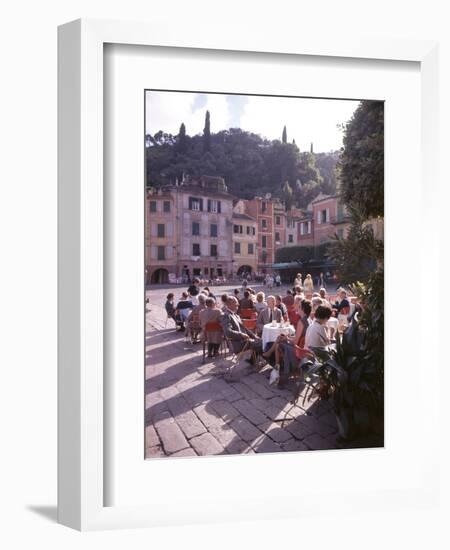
[215,327]
[248,314]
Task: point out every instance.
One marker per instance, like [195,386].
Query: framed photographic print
[233,271]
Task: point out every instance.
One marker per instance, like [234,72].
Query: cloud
[236,107]
[200,101]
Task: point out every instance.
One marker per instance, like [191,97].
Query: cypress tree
[207,133]
[284,136]
[182,138]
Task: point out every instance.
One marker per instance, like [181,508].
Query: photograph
[264,273]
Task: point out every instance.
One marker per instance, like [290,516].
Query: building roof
[322,197]
[243,217]
[203,191]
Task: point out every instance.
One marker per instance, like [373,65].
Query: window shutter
[219,210]
[154,230]
[309,227]
[169,229]
[201,204]
[318,216]
[190,203]
[328,215]
[169,251]
[302,229]
[154,251]
[209,205]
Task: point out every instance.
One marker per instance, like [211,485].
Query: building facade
[245,240]
[197,231]
[279,224]
[293,217]
[261,209]
[329,218]
[160,237]
[205,211]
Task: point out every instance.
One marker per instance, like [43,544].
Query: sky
[307,120]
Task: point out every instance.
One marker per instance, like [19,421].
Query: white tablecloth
[270,333]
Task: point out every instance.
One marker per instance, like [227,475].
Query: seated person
[332,325]
[317,333]
[323,295]
[285,346]
[183,308]
[208,292]
[316,301]
[170,307]
[194,289]
[267,315]
[193,319]
[246,302]
[282,307]
[288,300]
[342,302]
[211,314]
[260,303]
[235,331]
[223,301]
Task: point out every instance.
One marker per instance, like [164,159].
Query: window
[253,230]
[213,250]
[161,231]
[277,237]
[195,204]
[309,227]
[251,248]
[213,231]
[195,228]
[264,224]
[237,228]
[196,249]
[214,206]
[161,253]
[291,238]
[263,206]
[152,206]
[264,241]
[237,248]
[166,206]
[278,220]
[248,229]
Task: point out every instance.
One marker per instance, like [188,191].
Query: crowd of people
[239,318]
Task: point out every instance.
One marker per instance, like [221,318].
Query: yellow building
[160,237]
[245,240]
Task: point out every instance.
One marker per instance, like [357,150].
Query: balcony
[341,218]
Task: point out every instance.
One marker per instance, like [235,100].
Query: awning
[287,265]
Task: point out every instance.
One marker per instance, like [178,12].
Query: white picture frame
[81,481]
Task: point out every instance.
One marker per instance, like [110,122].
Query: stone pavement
[191,409]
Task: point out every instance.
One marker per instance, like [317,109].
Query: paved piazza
[191,409]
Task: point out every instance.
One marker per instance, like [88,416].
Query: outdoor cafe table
[270,332]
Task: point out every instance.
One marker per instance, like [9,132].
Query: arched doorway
[244,270]
[160,277]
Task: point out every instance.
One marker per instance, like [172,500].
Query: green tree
[207,133]
[182,140]
[284,135]
[362,160]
